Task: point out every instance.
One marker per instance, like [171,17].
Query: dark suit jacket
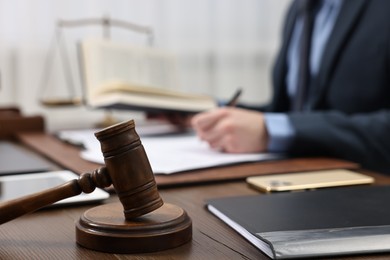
[350,97]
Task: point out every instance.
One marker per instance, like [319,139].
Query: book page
[106,63]
[125,76]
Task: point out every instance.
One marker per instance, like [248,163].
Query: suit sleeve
[363,138]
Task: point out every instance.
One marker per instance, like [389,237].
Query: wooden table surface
[50,233]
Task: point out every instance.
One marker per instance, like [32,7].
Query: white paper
[172,153]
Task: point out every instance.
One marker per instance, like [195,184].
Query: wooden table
[50,233]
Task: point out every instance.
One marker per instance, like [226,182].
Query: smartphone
[308,180]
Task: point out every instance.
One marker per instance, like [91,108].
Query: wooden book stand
[140,223]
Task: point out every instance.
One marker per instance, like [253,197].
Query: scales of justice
[140,222]
[58,46]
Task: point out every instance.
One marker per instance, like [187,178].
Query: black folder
[321,223]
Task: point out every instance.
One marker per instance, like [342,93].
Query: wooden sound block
[104,228]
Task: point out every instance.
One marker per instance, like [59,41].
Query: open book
[124,76]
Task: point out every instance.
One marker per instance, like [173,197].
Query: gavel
[145,224]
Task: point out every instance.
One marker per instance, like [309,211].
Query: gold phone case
[308,180]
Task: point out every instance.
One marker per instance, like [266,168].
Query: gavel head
[129,169]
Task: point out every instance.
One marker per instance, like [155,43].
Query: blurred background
[219,45]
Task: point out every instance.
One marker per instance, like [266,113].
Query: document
[321,223]
[173,153]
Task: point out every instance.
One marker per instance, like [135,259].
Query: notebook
[320,223]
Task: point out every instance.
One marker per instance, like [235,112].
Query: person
[346,111]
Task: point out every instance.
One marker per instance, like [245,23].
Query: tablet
[15,186]
[308,180]
[15,159]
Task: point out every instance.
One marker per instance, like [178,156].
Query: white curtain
[220,45]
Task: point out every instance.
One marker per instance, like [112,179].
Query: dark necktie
[306,12]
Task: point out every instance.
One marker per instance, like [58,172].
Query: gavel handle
[87,183]
[12,209]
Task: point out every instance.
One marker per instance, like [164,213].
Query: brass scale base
[104,228]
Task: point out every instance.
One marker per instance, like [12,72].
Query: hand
[232,130]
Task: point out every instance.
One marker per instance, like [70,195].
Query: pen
[234,100]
